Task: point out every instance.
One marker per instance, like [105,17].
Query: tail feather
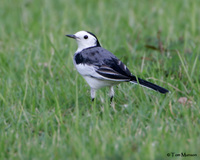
[149,85]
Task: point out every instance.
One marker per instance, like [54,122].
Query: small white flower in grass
[154,143]
[45,64]
[52,51]
[102,108]
[102,100]
[116,146]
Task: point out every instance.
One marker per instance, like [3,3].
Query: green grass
[45,106]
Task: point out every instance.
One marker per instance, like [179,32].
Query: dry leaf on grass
[184,101]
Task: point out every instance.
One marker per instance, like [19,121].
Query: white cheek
[83,44]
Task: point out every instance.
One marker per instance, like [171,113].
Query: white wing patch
[86,70]
[89,70]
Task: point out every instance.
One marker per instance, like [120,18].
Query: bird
[100,68]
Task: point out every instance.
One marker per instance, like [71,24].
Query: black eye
[85,37]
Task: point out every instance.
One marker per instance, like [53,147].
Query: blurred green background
[45,106]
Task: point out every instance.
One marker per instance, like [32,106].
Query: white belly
[98,83]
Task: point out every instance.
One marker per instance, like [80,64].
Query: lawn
[45,107]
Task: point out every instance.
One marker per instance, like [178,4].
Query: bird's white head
[85,40]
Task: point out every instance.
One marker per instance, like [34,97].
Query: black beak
[71,36]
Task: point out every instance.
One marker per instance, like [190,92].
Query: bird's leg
[111,94]
[93,93]
[111,98]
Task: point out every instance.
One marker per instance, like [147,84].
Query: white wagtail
[101,68]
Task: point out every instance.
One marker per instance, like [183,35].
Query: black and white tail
[149,85]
